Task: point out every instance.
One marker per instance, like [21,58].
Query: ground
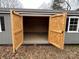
[40,52]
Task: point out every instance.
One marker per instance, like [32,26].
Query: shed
[36,26]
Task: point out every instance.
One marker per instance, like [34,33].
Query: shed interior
[35,29]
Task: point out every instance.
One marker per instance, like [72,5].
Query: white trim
[69,24]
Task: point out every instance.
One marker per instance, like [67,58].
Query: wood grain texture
[57,30]
[17,30]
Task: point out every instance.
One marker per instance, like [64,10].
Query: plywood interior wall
[35,24]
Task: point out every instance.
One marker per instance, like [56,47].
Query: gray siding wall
[5,36]
[71,38]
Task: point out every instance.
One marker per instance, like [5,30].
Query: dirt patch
[40,52]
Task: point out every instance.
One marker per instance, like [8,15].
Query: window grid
[73,24]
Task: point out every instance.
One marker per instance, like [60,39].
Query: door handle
[62,31]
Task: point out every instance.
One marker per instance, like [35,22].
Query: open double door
[55,33]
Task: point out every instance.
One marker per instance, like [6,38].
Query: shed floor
[35,38]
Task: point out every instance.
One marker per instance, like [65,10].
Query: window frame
[69,24]
[2,19]
[0,26]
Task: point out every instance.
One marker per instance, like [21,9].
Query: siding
[5,36]
[71,38]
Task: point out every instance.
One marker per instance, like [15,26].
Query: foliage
[10,4]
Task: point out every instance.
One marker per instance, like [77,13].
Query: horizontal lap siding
[71,38]
[5,36]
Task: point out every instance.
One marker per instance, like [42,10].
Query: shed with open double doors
[36,28]
[30,26]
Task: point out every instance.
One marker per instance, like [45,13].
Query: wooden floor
[36,38]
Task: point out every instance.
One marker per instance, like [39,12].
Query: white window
[2,24]
[73,24]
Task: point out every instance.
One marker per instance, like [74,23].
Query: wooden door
[17,30]
[57,29]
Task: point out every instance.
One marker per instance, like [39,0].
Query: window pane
[75,22]
[70,29]
[76,19]
[2,24]
[71,22]
[73,27]
[72,19]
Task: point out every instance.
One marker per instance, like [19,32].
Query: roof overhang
[37,11]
